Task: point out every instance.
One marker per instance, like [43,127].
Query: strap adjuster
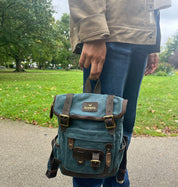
[95,163]
[109,122]
[64,120]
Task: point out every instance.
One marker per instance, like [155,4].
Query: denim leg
[115,80]
[82,182]
[132,86]
[131,92]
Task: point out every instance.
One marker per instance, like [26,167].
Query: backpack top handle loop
[88,88]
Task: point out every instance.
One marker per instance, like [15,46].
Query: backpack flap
[88,106]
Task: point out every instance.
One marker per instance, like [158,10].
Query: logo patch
[90,107]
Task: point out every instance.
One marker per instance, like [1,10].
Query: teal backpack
[90,142]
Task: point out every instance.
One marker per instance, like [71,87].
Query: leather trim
[124,107]
[83,175]
[120,115]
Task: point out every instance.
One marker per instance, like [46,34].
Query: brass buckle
[109,124]
[64,120]
[95,163]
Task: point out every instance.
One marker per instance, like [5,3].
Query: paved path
[24,151]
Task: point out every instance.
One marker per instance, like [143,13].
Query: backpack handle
[88,88]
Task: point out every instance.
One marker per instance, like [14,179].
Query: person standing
[118,41]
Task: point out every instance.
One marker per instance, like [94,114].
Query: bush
[164,67]
[161,73]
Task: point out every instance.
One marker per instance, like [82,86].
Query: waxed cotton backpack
[90,140]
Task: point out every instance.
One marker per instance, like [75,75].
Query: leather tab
[108,159]
[108,154]
[70,143]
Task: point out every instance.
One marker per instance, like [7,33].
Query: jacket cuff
[93,28]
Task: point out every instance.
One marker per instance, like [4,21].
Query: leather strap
[109,105]
[67,104]
[53,162]
[64,118]
[88,88]
[122,168]
[109,121]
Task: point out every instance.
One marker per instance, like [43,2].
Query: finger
[99,69]
[82,60]
[93,71]
[87,62]
[146,70]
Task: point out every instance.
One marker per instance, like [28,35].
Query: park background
[37,63]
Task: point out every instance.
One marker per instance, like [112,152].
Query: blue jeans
[122,75]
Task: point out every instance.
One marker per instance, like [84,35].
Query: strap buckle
[95,163]
[64,120]
[109,122]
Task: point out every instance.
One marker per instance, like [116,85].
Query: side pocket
[53,162]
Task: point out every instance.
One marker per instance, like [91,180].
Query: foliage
[65,55]
[173,59]
[29,33]
[164,69]
[161,73]
[22,24]
[169,53]
[28,96]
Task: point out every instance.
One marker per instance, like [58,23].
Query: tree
[173,59]
[65,56]
[22,24]
[169,52]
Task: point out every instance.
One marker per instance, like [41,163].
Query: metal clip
[64,120]
[109,122]
[95,163]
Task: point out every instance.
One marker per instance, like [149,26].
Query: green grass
[28,97]
[157,111]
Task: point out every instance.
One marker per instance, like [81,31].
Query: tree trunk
[18,66]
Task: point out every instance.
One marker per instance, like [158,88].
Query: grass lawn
[28,97]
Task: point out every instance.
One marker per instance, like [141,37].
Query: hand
[93,53]
[152,63]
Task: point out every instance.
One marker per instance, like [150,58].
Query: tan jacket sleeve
[88,17]
[162,4]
